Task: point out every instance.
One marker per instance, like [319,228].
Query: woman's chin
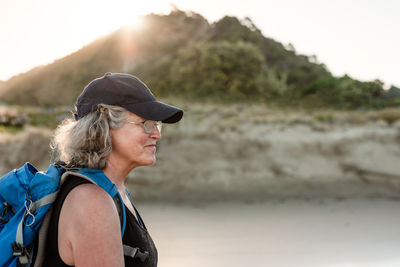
[149,162]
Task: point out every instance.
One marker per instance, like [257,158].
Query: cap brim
[156,111]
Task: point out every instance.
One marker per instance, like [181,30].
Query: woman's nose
[156,134]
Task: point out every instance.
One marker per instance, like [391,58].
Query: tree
[218,69]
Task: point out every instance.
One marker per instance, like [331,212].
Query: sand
[325,233]
[224,154]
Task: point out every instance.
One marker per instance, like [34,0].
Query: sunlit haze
[358,37]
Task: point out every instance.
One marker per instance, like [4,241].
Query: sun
[135,23]
[104,17]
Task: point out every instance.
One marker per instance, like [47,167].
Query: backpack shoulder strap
[97,177]
[42,240]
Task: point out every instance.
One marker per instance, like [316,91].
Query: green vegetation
[216,69]
[389,115]
[182,55]
[43,119]
[325,117]
[14,118]
[10,129]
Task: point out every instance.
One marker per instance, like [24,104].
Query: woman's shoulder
[89,199]
[88,217]
[87,208]
[76,189]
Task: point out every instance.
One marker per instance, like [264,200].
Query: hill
[183,55]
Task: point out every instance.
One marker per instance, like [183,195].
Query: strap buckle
[135,253]
[142,255]
[21,252]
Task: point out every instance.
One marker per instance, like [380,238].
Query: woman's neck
[117,173]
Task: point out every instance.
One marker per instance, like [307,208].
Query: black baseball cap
[127,91]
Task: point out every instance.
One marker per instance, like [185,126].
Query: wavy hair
[86,143]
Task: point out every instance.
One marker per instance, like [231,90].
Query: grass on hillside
[227,114]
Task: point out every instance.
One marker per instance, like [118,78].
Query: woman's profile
[115,129]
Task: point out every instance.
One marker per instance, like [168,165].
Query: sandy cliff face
[30,145]
[243,152]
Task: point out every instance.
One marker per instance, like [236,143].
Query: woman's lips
[151,146]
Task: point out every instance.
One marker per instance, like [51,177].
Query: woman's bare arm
[89,232]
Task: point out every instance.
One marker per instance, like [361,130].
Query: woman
[116,127]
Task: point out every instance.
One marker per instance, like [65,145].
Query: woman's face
[132,145]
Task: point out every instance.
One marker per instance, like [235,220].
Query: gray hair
[87,142]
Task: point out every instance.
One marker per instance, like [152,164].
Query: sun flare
[135,23]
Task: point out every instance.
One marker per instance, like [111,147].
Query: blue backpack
[26,198]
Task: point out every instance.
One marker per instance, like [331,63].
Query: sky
[359,37]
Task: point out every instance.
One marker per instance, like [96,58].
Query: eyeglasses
[148,125]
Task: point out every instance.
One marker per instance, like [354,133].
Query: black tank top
[135,235]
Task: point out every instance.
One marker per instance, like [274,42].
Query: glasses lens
[159,125]
[149,126]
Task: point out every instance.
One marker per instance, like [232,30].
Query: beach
[276,233]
